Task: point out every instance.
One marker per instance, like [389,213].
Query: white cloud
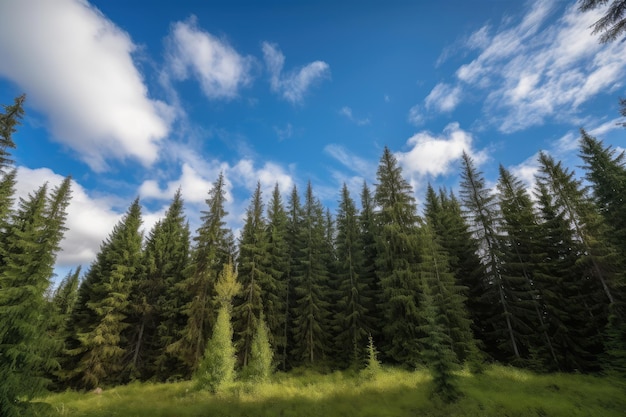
[347,112]
[270,174]
[535,70]
[292,85]
[89,219]
[363,167]
[443,98]
[416,115]
[434,155]
[76,67]
[526,171]
[219,69]
[194,187]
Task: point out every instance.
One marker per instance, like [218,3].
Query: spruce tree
[368,237]
[445,218]
[571,303]
[446,296]
[214,247]
[351,322]
[310,284]
[260,365]
[295,246]
[217,367]
[253,256]
[103,352]
[31,244]
[438,353]
[158,296]
[572,198]
[398,261]
[273,283]
[498,323]
[9,120]
[519,257]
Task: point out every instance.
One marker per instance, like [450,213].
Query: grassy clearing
[500,391]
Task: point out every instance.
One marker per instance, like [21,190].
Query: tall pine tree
[398,262]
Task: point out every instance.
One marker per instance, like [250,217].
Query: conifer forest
[528,277]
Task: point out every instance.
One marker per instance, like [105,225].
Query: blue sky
[137,97]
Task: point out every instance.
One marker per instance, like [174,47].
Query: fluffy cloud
[76,67]
[292,85]
[434,155]
[219,69]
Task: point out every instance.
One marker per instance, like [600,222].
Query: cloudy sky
[137,97]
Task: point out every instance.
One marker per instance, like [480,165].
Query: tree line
[527,277]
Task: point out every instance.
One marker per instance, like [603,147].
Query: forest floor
[499,391]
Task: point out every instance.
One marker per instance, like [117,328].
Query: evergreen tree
[445,218]
[31,245]
[606,172]
[158,297]
[260,366]
[498,323]
[9,120]
[217,368]
[62,303]
[587,225]
[310,281]
[519,244]
[368,237]
[438,353]
[253,254]
[295,246]
[351,322]
[66,294]
[398,261]
[214,247]
[446,297]
[103,350]
[273,283]
[571,303]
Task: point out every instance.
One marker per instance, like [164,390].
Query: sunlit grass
[500,391]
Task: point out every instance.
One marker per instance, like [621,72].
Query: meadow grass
[499,391]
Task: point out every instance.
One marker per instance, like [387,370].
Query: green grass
[500,391]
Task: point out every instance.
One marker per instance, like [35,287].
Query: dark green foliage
[519,244]
[158,297]
[446,297]
[445,218]
[26,348]
[437,352]
[214,247]
[570,301]
[398,262]
[273,283]
[352,322]
[613,24]
[310,284]
[252,271]
[101,314]
[368,243]
[9,120]
[496,324]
